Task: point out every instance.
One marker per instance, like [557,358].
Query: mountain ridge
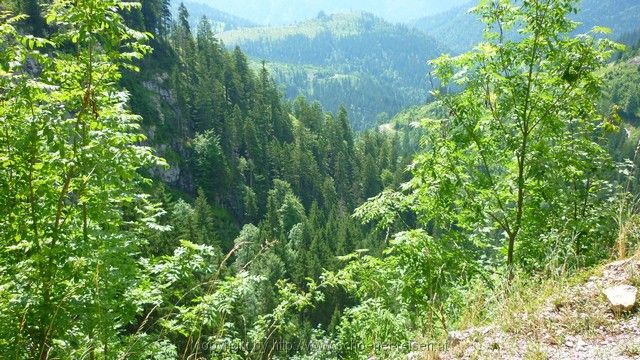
[461,30]
[221,20]
[279,12]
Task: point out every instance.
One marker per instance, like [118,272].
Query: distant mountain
[631,39]
[370,65]
[220,20]
[456,28]
[281,12]
[461,30]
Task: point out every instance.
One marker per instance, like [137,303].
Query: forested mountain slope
[269,183]
[631,39]
[623,88]
[225,130]
[461,30]
[355,59]
[248,166]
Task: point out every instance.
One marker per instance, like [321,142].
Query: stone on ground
[622,298]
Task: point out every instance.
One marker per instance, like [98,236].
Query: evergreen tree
[210,166]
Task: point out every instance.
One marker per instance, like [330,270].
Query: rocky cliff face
[167,133]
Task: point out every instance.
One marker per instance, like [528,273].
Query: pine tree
[203,223]
[343,120]
[211,167]
[32,8]
[246,82]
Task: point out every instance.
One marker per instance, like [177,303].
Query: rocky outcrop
[622,298]
[162,99]
[157,86]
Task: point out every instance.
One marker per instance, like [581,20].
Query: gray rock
[621,298]
[568,343]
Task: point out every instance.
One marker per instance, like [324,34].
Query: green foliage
[514,171]
[372,328]
[73,215]
[519,164]
[291,170]
[385,209]
[411,282]
[622,91]
[513,166]
[210,165]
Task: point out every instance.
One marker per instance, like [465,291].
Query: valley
[255,180]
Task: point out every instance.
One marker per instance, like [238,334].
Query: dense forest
[373,67]
[161,198]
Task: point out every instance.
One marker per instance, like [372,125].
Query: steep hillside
[631,40]
[370,65]
[623,87]
[461,30]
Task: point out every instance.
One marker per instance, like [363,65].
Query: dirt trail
[576,323]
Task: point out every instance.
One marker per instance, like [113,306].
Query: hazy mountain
[220,20]
[631,39]
[358,59]
[278,12]
[461,30]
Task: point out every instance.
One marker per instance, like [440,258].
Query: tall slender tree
[521,140]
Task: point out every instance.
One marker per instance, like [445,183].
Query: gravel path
[581,326]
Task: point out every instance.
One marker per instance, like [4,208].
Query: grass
[632,349]
[586,321]
[634,278]
[530,305]
[535,351]
[539,312]
[512,307]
